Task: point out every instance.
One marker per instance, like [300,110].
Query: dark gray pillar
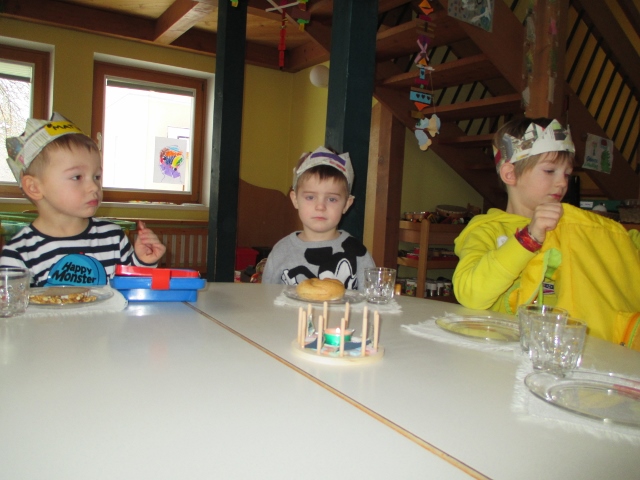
[351,77]
[227,132]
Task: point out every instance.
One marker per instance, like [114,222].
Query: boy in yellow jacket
[542,250]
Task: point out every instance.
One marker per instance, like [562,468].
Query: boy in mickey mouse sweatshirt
[321,193]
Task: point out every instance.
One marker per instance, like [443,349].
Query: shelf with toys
[433,234]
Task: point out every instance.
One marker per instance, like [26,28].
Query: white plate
[350,296]
[600,396]
[488,329]
[101,295]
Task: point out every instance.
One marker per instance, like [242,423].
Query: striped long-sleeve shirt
[103,240]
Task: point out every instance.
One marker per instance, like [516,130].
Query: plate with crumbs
[67,296]
[600,396]
[350,296]
[486,329]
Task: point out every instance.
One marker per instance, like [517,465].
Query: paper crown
[536,140]
[322,156]
[37,134]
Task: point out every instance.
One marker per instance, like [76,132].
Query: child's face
[546,182]
[71,182]
[320,205]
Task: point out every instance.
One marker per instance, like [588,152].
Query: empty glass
[556,346]
[528,312]
[14,291]
[379,284]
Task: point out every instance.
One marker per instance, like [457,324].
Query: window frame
[101,71]
[40,60]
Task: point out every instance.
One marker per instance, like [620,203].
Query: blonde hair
[65,142]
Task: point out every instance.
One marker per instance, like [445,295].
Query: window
[150,126]
[24,93]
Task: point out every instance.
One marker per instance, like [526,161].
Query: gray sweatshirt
[291,261]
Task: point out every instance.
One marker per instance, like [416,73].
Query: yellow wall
[284,115]
[428,181]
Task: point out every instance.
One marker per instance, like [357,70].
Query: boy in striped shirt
[60,171]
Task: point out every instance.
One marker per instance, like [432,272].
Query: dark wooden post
[227,132]
[353,50]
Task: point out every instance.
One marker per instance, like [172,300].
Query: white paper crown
[37,134]
[323,156]
[536,140]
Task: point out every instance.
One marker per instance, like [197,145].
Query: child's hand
[147,246]
[545,218]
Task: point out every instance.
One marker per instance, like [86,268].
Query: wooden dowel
[320,330]
[376,329]
[363,346]
[325,311]
[346,315]
[342,330]
[301,335]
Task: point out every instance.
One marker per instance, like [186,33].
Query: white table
[446,398]
[160,391]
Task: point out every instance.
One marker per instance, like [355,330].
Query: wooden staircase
[477,82]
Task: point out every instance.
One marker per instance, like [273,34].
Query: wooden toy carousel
[319,342]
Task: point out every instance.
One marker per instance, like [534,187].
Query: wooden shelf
[425,234]
[433,262]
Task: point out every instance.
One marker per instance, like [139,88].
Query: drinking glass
[556,346]
[14,291]
[528,312]
[379,284]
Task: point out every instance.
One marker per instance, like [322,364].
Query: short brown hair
[323,172]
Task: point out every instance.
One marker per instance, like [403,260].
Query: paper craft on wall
[170,159]
[598,154]
[476,12]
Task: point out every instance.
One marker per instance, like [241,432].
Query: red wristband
[527,241]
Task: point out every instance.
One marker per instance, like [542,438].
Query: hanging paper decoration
[425,9]
[282,46]
[529,49]
[299,15]
[476,12]
[424,125]
[420,97]
[598,153]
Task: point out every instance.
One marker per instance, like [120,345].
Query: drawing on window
[170,159]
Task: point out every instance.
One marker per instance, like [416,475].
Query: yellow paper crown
[37,134]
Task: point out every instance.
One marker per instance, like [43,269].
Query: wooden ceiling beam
[180,17]
[129,27]
[306,56]
[78,17]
